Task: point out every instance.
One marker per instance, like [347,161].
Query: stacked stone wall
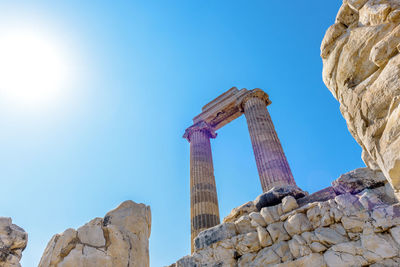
[360,226]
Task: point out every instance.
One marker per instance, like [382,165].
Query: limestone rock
[297,224]
[289,203]
[276,194]
[380,245]
[298,247]
[243,225]
[357,180]
[321,195]
[244,209]
[13,240]
[329,236]
[360,68]
[258,219]
[247,243]
[386,217]
[277,232]
[265,239]
[348,203]
[348,230]
[369,199]
[395,232]
[342,259]
[120,239]
[312,260]
[266,256]
[214,234]
[246,259]
[271,214]
[320,215]
[317,247]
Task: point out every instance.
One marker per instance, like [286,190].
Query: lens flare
[33,70]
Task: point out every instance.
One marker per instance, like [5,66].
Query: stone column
[204,210]
[271,161]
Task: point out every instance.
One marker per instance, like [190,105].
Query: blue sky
[143,70]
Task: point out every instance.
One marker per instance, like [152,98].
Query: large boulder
[361,67]
[357,180]
[120,239]
[275,195]
[13,240]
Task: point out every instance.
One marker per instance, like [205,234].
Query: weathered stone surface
[321,195]
[349,230]
[92,233]
[244,209]
[277,232]
[246,259]
[264,238]
[395,232]
[297,224]
[298,247]
[357,180]
[369,199]
[120,239]
[353,224]
[283,251]
[342,259]
[215,234]
[386,216]
[320,215]
[317,247]
[258,219]
[312,260]
[271,214]
[247,243]
[276,194]
[348,203]
[379,244]
[243,225]
[360,68]
[266,256]
[289,203]
[329,236]
[13,240]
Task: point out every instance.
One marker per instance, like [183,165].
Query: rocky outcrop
[355,226]
[117,240]
[361,67]
[13,240]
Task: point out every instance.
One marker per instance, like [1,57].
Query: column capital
[200,126]
[255,93]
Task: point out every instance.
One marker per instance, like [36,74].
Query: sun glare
[33,70]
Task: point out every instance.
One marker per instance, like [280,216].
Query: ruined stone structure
[356,224]
[272,164]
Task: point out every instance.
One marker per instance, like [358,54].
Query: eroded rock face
[361,67]
[13,240]
[119,239]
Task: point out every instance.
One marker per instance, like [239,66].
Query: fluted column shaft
[271,161]
[204,210]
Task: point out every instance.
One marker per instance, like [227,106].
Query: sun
[33,69]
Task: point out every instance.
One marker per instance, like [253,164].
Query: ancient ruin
[271,161]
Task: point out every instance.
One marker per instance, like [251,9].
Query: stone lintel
[222,109]
[228,106]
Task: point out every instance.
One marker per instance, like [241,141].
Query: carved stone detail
[200,126]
